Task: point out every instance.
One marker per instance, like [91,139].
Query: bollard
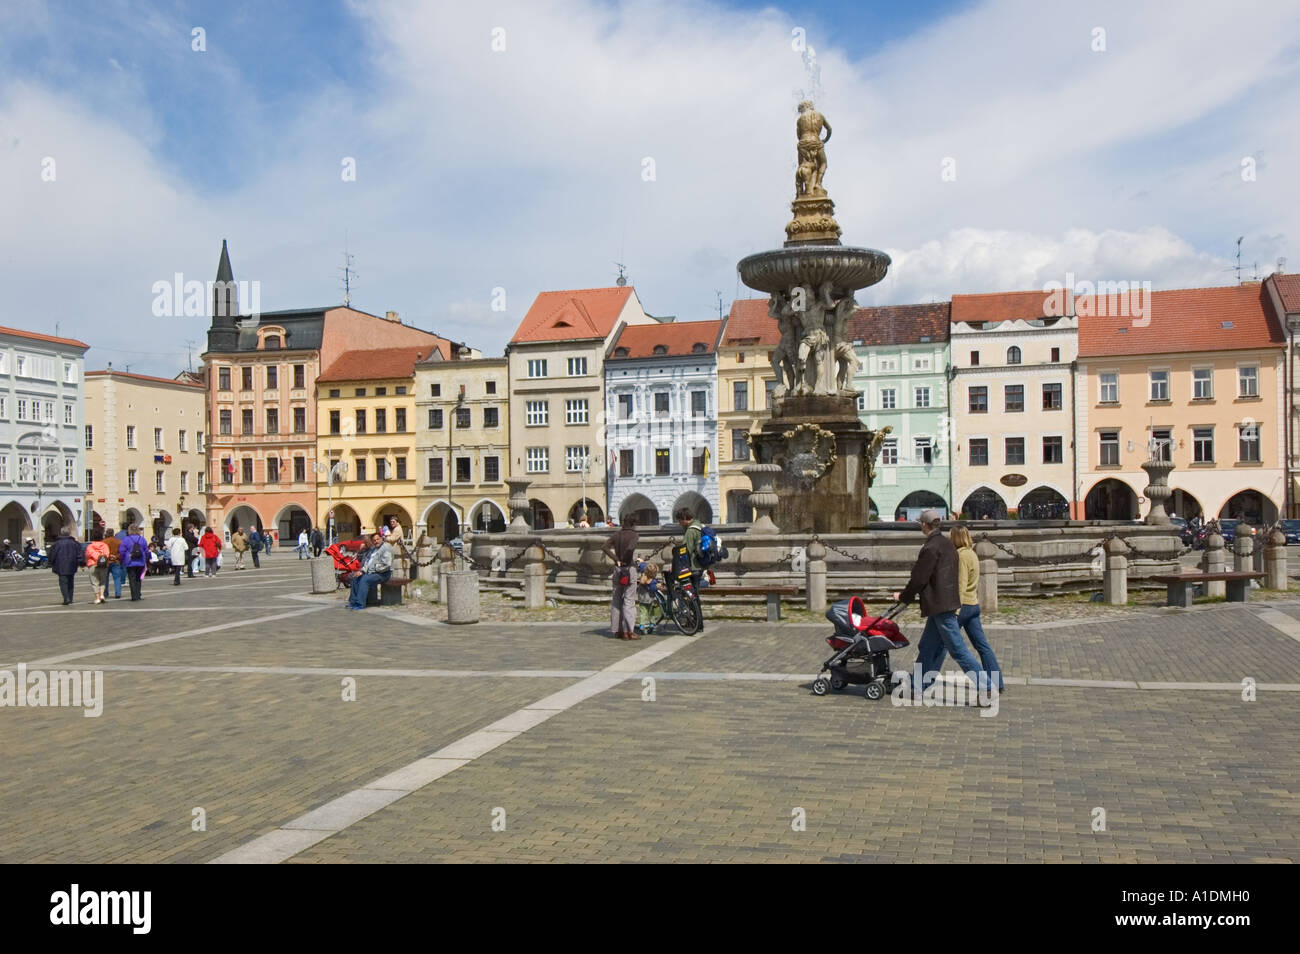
[462,596]
[988,583]
[815,576]
[445,567]
[1243,549]
[1214,560]
[323,579]
[1114,583]
[535,578]
[1275,561]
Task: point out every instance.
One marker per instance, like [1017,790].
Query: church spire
[223,334]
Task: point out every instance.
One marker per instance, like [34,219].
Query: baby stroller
[862,646]
[346,565]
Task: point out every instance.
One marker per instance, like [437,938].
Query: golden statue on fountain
[814,213]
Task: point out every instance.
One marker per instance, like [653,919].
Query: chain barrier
[1085,556]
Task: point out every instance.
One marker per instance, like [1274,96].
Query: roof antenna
[622,276]
[718,292]
[189,354]
[349,273]
[1239,238]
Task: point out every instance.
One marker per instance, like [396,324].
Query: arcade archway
[639,506]
[696,504]
[1043,503]
[984,504]
[1251,506]
[1110,499]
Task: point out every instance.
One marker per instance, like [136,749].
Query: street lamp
[336,472]
[455,415]
[586,466]
[42,437]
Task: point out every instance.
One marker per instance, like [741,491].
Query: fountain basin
[845,267]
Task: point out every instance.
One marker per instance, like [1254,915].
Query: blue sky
[522,168]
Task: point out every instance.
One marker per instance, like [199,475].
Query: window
[69,374]
[130,436]
[22,409]
[300,376]
[1248,443]
[158,485]
[198,443]
[888,399]
[401,468]
[979,452]
[181,442]
[922,397]
[739,444]
[974,359]
[536,413]
[463,475]
[627,463]
[921,363]
[300,420]
[1056,356]
[201,485]
[491,387]
[185,481]
[1109,449]
[1160,385]
[1052,397]
[272,377]
[537,462]
[862,402]
[273,420]
[491,417]
[1053,450]
[698,457]
[769,387]
[272,342]
[381,468]
[1014,449]
[537,367]
[576,458]
[462,417]
[381,392]
[1163,437]
[22,364]
[361,467]
[888,364]
[69,469]
[67,414]
[700,401]
[335,422]
[400,420]
[1013,355]
[49,412]
[1203,445]
[1013,398]
[381,420]
[492,470]
[273,470]
[435,390]
[435,470]
[1202,384]
[575,411]
[130,477]
[889,451]
[90,436]
[361,420]
[1247,383]
[223,379]
[90,475]
[663,462]
[246,420]
[247,468]
[977,399]
[227,470]
[1109,388]
[740,396]
[923,451]
[625,407]
[246,379]
[577,367]
[401,389]
[4,410]
[25,468]
[335,392]
[660,349]
[435,418]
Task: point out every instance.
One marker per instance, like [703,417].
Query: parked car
[1291,528]
[1228,529]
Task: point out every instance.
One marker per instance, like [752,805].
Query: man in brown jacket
[934,579]
[240,543]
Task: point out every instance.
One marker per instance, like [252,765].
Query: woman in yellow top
[968,617]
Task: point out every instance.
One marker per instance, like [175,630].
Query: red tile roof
[749,324]
[569,315]
[1288,288]
[193,385]
[37,336]
[1005,306]
[1228,318]
[380,364]
[899,324]
[680,337]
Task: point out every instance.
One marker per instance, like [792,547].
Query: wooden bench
[1180,587]
[773,594]
[387,594]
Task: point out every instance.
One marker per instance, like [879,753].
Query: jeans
[268,546]
[256,550]
[190,566]
[65,586]
[361,587]
[940,637]
[133,575]
[302,550]
[968,618]
[117,573]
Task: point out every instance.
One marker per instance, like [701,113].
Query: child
[648,612]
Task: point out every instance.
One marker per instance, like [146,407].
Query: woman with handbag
[620,547]
[97,561]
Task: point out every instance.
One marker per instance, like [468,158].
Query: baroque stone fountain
[814,453]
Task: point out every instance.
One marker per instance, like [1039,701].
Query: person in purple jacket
[134,553]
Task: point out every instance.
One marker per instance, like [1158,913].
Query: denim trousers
[361,587]
[968,618]
[942,637]
[117,573]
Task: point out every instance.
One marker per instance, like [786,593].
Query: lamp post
[455,415]
[41,438]
[337,472]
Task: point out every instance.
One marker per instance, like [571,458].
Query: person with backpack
[694,533]
[209,546]
[65,560]
[116,572]
[134,554]
[179,550]
[97,561]
[620,547]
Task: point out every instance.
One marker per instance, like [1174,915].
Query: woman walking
[620,547]
[968,617]
[97,561]
[210,546]
[179,551]
[134,554]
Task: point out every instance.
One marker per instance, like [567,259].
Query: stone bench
[387,594]
[1181,587]
[773,594]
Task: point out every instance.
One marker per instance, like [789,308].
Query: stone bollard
[1214,560]
[988,584]
[446,564]
[1275,561]
[1114,582]
[1243,553]
[462,596]
[323,579]
[815,576]
[534,578]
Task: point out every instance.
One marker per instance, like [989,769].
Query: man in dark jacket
[65,560]
[934,579]
[255,545]
[191,542]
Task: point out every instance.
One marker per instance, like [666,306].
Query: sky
[504,149]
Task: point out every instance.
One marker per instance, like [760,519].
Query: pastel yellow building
[745,380]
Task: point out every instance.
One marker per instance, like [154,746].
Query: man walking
[255,546]
[694,530]
[134,553]
[116,571]
[240,543]
[65,560]
[934,579]
[376,571]
[317,541]
[191,548]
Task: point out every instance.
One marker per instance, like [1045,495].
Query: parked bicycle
[668,599]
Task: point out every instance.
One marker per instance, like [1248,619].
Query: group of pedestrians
[620,547]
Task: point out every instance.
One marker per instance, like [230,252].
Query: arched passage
[15,523]
[441,521]
[985,503]
[1255,508]
[55,517]
[132,516]
[162,524]
[1184,505]
[638,505]
[910,507]
[347,523]
[588,508]
[292,520]
[390,509]
[1043,503]
[1110,499]
[487,517]
[542,517]
[697,505]
[196,519]
[243,518]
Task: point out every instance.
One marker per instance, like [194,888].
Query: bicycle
[675,600]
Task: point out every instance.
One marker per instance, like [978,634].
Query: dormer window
[699,348]
[272,342]
[621,352]
[661,349]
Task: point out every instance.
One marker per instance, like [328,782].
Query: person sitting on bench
[376,570]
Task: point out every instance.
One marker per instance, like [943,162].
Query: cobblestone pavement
[552,741]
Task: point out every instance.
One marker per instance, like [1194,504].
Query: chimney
[392,316]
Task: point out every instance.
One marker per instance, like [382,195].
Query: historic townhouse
[1012,397]
[1283,293]
[261,378]
[462,419]
[145,456]
[557,390]
[902,373]
[745,383]
[662,421]
[1201,383]
[42,412]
